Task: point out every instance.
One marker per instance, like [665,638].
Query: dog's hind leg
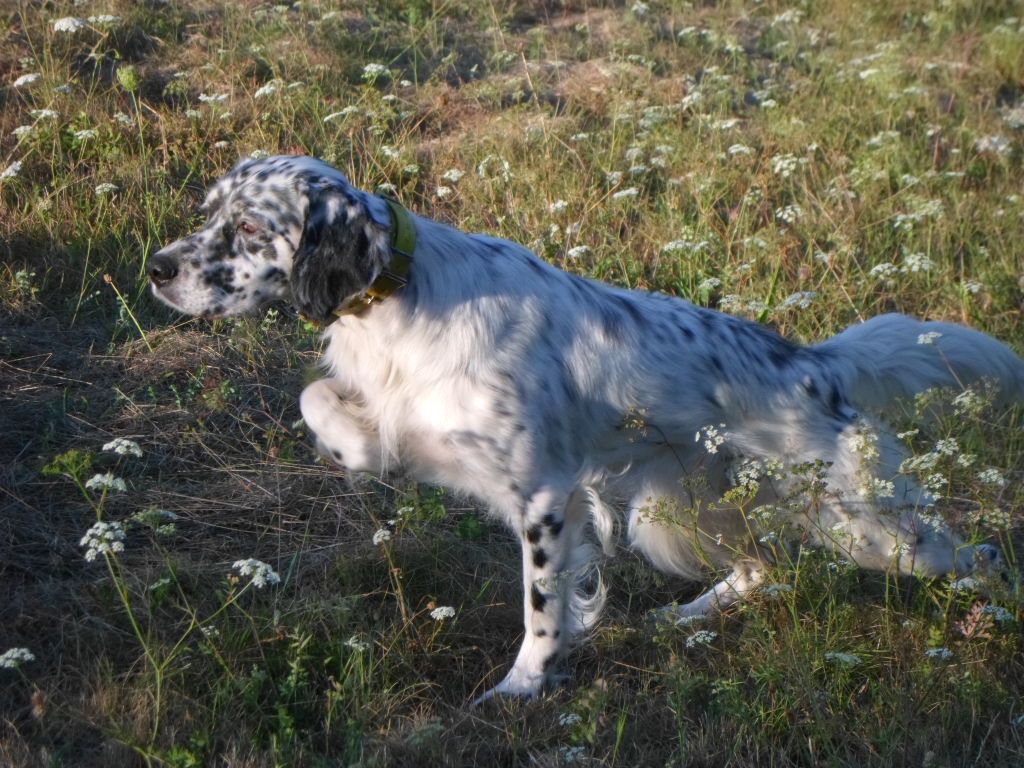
[744,578]
[342,436]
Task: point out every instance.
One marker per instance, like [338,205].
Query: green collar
[396,273]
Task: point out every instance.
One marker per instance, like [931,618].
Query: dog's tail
[893,356]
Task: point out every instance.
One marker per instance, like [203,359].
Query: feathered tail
[894,356]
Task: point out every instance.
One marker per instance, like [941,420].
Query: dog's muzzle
[162,269]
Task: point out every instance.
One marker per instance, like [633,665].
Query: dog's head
[279,228]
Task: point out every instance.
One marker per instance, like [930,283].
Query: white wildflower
[917,262]
[102,539]
[567,719]
[883,138]
[578,251]
[626,194]
[557,207]
[267,89]
[106,188]
[571,755]
[799,300]
[993,145]
[105,482]
[123,119]
[947,447]
[973,286]
[350,110]
[843,658]
[939,653]
[708,284]
[216,98]
[13,658]
[712,437]
[640,9]
[259,154]
[11,170]
[381,535]
[443,193]
[613,178]
[773,590]
[442,612]
[453,175]
[29,79]
[684,246]
[928,338]
[45,114]
[23,131]
[85,134]
[884,271]
[879,489]
[356,643]
[104,20]
[261,573]
[966,460]
[998,613]
[789,214]
[122,446]
[786,165]
[737,150]
[68,25]
[992,476]
[373,72]
[483,169]
[701,637]
[412,169]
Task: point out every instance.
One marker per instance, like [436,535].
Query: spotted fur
[560,402]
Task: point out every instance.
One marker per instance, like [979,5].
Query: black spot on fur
[553,523]
[533,534]
[537,599]
[540,557]
[550,661]
[541,633]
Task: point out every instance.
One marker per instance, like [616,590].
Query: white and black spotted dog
[557,400]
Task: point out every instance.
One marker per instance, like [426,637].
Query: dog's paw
[519,685]
[988,560]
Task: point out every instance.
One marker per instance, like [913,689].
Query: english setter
[557,400]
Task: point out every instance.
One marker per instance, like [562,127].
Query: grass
[808,165]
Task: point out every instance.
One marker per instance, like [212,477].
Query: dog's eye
[248,228]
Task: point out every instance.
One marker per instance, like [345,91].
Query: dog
[561,402]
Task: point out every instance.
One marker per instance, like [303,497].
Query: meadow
[189,586]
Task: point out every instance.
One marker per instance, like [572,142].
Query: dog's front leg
[546,542]
[342,432]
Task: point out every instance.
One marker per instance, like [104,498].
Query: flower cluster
[701,637]
[15,657]
[442,612]
[261,573]
[712,437]
[103,539]
[122,446]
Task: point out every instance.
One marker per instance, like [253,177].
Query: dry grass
[875,110]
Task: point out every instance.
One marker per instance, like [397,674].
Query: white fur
[558,401]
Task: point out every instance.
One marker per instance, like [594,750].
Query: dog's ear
[342,251]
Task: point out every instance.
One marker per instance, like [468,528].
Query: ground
[804,164]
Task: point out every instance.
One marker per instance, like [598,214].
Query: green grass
[659,149]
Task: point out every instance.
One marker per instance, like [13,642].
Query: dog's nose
[162,269]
